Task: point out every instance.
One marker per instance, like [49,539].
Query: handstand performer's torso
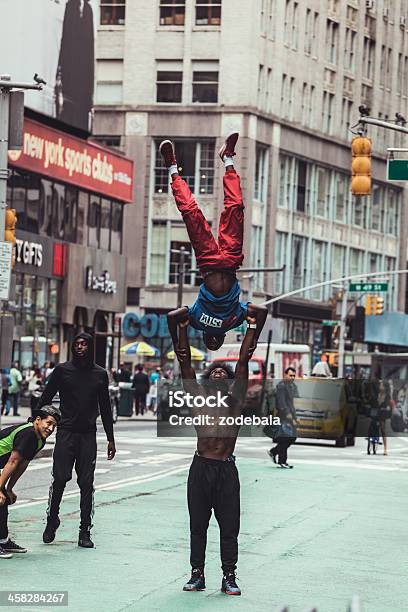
[219,283]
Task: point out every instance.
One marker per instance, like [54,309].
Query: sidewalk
[312,536]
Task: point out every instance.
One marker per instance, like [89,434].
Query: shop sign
[29,253]
[69,159]
[149,326]
[102,283]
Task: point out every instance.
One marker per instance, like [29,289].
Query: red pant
[227,252]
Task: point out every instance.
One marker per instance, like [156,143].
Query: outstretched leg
[201,238]
[231,226]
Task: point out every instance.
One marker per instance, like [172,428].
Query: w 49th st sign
[397,170]
[368,287]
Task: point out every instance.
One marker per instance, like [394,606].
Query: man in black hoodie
[84,391]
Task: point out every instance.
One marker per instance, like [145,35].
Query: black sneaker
[272,455]
[4,554]
[12,547]
[196,582]
[166,150]
[84,539]
[286,466]
[229,585]
[50,529]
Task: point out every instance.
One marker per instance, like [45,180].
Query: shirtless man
[213,481]
[218,307]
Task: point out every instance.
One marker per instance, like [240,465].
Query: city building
[290,77]
[70,270]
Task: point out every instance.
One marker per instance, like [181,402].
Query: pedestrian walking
[140,385]
[18,446]
[16,379]
[5,383]
[153,391]
[122,374]
[286,433]
[83,388]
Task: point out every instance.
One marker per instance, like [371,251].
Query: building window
[109,84]
[172,12]
[105,222]
[158,253]
[328,100]
[315,34]
[368,58]
[287,96]
[110,141]
[205,87]
[308,32]
[298,263]
[169,86]
[377,206]
[318,269]
[323,192]
[208,12]
[301,190]
[175,246]
[392,212]
[295,26]
[261,174]
[346,108]
[341,195]
[359,211]
[116,227]
[113,12]
[280,260]
[195,164]
[338,261]
[332,41]
[349,50]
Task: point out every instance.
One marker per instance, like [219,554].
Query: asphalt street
[316,535]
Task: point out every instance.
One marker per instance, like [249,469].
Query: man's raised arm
[173,319]
[259,314]
[240,385]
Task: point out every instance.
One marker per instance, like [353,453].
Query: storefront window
[58,206]
[53,298]
[45,208]
[70,213]
[116,227]
[83,200]
[94,215]
[105,224]
[41,295]
[18,182]
[29,292]
[33,199]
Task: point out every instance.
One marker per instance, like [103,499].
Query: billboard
[62,157]
[56,39]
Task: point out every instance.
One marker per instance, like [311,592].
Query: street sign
[397,170]
[330,323]
[6,254]
[368,287]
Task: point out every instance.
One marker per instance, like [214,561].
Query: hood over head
[86,361]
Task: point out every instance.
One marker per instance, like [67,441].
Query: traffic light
[361,166]
[379,305]
[370,305]
[10,229]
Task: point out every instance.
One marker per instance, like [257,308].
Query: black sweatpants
[140,401]
[3,521]
[281,448]
[214,485]
[79,450]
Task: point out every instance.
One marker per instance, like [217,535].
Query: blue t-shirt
[217,315]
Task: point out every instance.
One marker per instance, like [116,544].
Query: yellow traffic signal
[379,305]
[370,305]
[10,229]
[361,166]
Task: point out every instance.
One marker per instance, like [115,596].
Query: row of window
[322,192]
[62,211]
[172,12]
[169,86]
[195,164]
[311,261]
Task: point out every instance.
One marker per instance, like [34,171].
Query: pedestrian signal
[361,166]
[10,229]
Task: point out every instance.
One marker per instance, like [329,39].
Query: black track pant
[79,450]
[214,485]
[281,448]
[3,522]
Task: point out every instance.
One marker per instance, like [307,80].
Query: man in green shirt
[18,446]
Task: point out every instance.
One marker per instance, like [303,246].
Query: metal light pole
[343,319]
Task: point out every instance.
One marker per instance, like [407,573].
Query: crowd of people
[144,385]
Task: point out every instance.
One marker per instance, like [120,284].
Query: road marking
[125,482]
